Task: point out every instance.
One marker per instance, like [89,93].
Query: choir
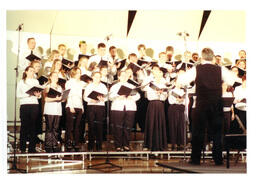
[137,89]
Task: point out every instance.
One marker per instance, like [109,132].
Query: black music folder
[34,89]
[62,82]
[67,61]
[135,83]
[83,55]
[142,62]
[103,63]
[228,101]
[154,87]
[134,67]
[241,72]
[94,95]
[42,79]
[32,57]
[124,90]
[164,70]
[85,78]
[53,93]
[122,64]
[236,84]
[66,68]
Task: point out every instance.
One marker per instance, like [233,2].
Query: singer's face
[96,77]
[62,50]
[31,44]
[123,77]
[30,73]
[36,66]
[54,77]
[83,47]
[113,52]
[102,51]
[58,65]
[104,71]
[242,55]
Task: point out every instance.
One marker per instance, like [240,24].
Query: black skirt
[176,123]
[155,128]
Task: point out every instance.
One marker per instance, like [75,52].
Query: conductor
[209,107]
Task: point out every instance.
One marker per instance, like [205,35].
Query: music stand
[14,163]
[107,164]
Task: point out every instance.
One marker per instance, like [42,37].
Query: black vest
[208,83]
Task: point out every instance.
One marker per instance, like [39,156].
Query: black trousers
[39,121]
[207,118]
[122,123]
[96,117]
[28,117]
[52,131]
[82,124]
[73,125]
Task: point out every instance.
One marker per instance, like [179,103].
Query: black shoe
[32,151]
[194,162]
[56,149]
[48,150]
[219,163]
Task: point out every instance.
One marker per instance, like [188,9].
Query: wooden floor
[128,164]
[135,161]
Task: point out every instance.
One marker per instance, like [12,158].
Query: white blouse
[128,103]
[75,95]
[23,87]
[151,94]
[53,108]
[172,99]
[101,88]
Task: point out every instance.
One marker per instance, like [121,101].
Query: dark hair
[30,39]
[207,54]
[141,46]
[61,45]
[244,77]
[74,71]
[24,75]
[194,54]
[101,45]
[82,42]
[132,54]
[112,47]
[169,48]
[218,56]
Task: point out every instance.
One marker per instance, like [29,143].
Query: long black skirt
[176,123]
[155,128]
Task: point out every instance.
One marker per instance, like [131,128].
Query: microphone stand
[14,163]
[108,164]
[186,101]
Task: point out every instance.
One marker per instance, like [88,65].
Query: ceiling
[223,26]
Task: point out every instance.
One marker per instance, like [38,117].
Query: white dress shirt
[76,55]
[128,103]
[240,94]
[190,75]
[23,62]
[227,94]
[53,108]
[75,95]
[23,87]
[101,88]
